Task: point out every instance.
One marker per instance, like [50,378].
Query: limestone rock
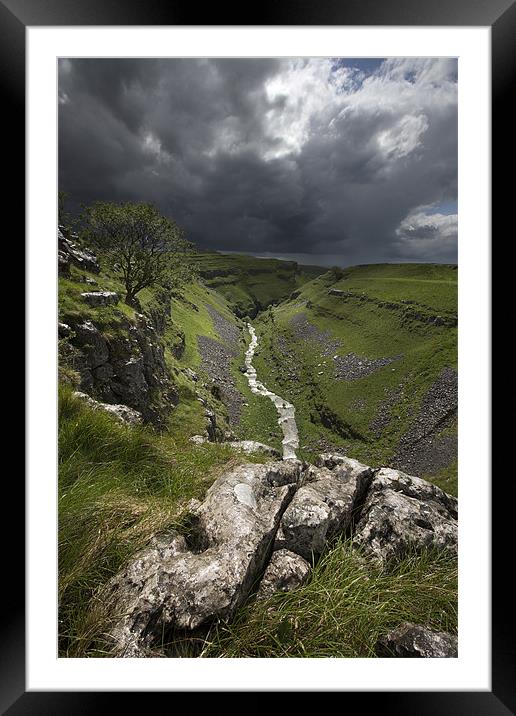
[121,412]
[230,538]
[127,367]
[403,512]
[198,439]
[252,446]
[100,298]
[415,641]
[330,460]
[323,506]
[92,343]
[63,330]
[286,571]
[70,253]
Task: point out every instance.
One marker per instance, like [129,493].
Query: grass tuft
[347,605]
[118,486]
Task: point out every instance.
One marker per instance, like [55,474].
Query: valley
[365,356]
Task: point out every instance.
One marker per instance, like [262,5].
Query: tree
[336,273]
[143,246]
[63,217]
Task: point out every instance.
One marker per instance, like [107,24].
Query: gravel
[216,357]
[422,450]
[353,367]
[305,330]
[226,330]
[384,416]
[349,367]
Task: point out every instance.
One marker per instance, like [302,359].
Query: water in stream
[286,411]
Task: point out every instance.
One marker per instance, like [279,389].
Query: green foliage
[64,218]
[346,606]
[145,247]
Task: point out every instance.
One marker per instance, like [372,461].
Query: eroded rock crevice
[259,530]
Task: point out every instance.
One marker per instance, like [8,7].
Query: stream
[286,410]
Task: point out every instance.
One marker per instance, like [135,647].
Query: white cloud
[282,155]
[427,236]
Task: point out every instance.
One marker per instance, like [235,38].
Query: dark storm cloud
[309,157]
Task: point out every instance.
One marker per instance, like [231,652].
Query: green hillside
[371,365]
[367,356]
[251,284]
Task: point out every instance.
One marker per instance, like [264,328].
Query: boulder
[415,641]
[252,446]
[324,505]
[121,412]
[231,534]
[198,439]
[330,460]
[100,298]
[402,512]
[286,571]
[63,264]
[63,330]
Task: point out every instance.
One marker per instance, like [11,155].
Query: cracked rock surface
[232,533]
[403,512]
[322,506]
[264,525]
[286,571]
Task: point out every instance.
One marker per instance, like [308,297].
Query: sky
[335,161]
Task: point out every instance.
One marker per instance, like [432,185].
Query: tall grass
[346,606]
[117,487]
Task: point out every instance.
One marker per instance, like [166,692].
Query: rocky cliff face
[69,253]
[123,365]
[127,368]
[259,530]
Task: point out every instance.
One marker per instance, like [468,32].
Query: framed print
[274,240]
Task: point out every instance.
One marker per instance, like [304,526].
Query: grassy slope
[248,282]
[348,603]
[119,486]
[367,330]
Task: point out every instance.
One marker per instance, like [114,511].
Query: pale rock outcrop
[121,412]
[286,571]
[261,526]
[231,535]
[98,299]
[324,505]
[69,253]
[416,641]
[198,439]
[402,512]
[252,446]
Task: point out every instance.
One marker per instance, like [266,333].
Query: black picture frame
[500,15]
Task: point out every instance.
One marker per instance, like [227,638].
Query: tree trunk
[131,300]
